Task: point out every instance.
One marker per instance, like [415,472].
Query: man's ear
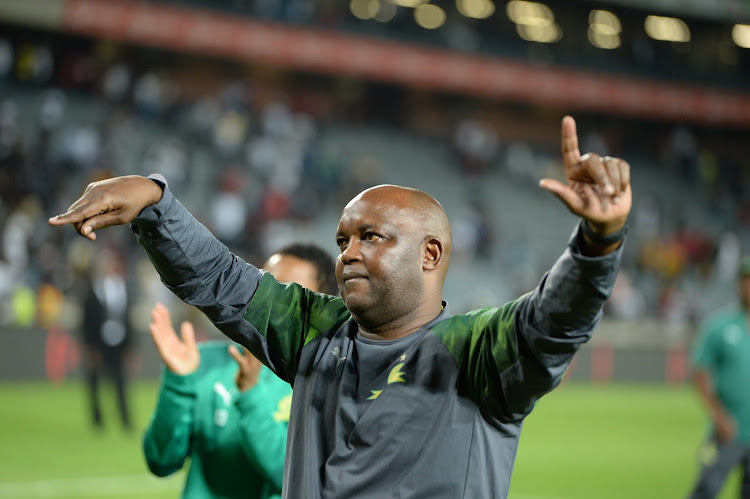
[433,254]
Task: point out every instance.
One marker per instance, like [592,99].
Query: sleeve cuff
[178,383]
[575,244]
[252,400]
[153,214]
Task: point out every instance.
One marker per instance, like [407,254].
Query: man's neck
[403,326]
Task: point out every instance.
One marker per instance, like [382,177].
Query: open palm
[181,356]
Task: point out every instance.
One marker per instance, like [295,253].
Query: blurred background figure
[107,336]
[223,409]
[721,360]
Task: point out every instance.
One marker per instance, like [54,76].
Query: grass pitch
[581,442]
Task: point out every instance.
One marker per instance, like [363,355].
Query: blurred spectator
[682,153]
[647,217]
[728,252]
[168,158]
[476,145]
[721,360]
[15,250]
[230,131]
[229,208]
[626,302]
[116,82]
[82,147]
[34,63]
[107,335]
[472,232]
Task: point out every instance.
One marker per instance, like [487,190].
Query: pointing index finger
[569,139]
[70,216]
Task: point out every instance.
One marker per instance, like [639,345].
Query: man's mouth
[351,276]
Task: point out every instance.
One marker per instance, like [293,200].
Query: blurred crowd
[243,149]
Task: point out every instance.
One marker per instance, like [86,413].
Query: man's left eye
[371,236]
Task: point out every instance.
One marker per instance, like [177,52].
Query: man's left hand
[598,189]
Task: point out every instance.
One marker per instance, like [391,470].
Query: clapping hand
[181,356]
[247,376]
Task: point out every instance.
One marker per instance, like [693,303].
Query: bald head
[421,211]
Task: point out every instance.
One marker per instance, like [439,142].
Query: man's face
[286,268]
[379,269]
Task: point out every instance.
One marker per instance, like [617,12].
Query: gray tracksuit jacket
[437,414]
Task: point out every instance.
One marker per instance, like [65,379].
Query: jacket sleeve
[517,353]
[202,272]
[167,440]
[264,421]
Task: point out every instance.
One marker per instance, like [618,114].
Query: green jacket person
[393,395]
[222,409]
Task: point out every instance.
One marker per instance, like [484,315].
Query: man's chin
[357,305]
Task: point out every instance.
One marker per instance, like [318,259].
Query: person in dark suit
[107,334]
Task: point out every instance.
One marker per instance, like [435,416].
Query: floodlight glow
[411,4]
[384,11]
[476,9]
[429,16]
[741,35]
[529,13]
[669,29]
[604,29]
[602,40]
[543,34]
[604,22]
[361,9]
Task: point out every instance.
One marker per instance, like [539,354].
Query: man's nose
[351,252]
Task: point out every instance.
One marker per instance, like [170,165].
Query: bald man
[393,395]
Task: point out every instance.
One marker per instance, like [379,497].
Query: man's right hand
[114,201]
[181,356]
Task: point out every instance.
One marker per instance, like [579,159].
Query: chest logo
[336,353]
[221,416]
[223,392]
[395,376]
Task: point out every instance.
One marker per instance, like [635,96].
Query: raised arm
[166,442]
[520,351]
[201,271]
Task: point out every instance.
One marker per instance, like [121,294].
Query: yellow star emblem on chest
[396,375]
[375,394]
